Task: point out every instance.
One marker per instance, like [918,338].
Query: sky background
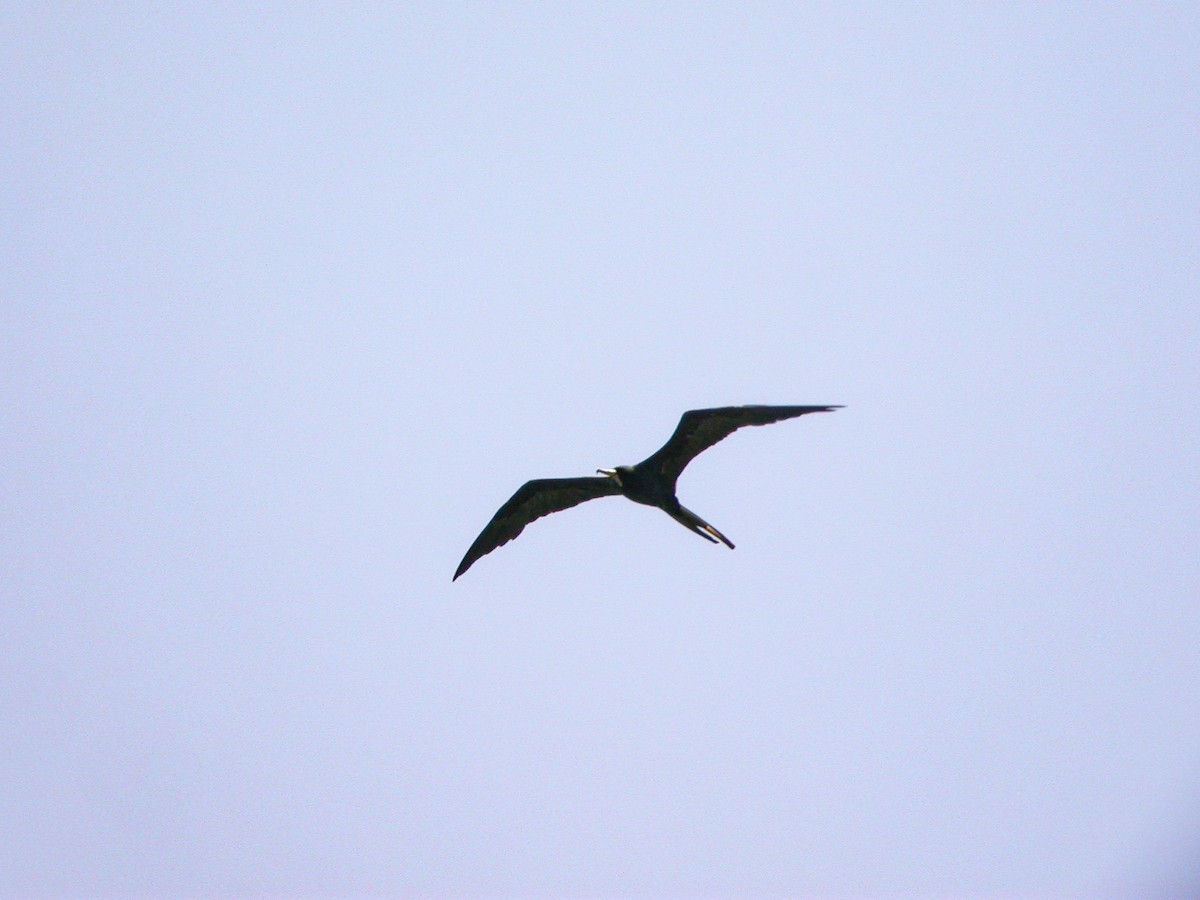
[296,295]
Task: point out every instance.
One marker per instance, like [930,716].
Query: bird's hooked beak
[611,473]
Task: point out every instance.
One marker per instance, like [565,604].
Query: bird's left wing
[533,500]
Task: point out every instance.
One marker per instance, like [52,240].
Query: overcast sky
[296,295]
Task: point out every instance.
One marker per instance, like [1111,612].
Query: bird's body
[640,486]
[651,482]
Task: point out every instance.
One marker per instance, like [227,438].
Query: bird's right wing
[533,500]
[699,429]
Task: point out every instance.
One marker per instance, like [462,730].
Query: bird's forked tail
[693,522]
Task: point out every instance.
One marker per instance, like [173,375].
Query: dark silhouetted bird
[652,481]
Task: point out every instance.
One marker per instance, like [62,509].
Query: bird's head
[611,473]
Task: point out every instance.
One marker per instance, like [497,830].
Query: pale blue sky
[294,296]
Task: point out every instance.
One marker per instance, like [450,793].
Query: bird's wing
[699,429]
[533,500]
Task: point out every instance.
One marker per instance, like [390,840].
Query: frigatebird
[650,482]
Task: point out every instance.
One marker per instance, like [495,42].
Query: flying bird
[650,482]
